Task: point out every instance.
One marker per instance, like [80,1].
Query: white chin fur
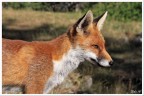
[104,63]
[89,55]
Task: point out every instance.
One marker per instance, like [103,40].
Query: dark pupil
[96,46]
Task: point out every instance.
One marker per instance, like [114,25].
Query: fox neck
[62,67]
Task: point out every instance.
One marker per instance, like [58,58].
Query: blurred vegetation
[125,77]
[117,10]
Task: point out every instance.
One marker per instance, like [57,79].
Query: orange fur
[31,63]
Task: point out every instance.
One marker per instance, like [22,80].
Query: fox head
[86,34]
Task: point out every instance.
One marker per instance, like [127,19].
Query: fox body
[41,65]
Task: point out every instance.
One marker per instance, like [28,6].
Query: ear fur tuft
[85,21]
[100,20]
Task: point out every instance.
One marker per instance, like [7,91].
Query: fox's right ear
[83,23]
[100,20]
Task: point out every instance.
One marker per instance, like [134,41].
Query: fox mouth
[93,61]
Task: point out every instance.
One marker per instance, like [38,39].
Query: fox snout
[102,62]
[105,59]
[111,62]
[105,62]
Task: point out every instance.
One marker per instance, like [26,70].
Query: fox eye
[96,46]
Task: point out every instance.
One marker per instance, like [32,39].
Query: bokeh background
[41,21]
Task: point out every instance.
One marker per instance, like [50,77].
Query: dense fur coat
[40,66]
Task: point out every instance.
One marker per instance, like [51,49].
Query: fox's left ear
[83,23]
[100,20]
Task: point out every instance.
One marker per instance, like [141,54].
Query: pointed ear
[100,20]
[83,23]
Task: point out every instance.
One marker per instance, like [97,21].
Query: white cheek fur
[90,54]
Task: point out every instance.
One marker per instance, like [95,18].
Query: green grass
[124,77]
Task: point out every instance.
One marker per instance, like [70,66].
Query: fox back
[41,65]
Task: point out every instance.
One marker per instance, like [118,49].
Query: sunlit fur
[40,66]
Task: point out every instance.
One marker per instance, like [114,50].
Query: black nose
[111,62]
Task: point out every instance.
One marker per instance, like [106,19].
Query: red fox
[42,65]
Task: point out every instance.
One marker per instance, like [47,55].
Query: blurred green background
[119,11]
[41,21]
